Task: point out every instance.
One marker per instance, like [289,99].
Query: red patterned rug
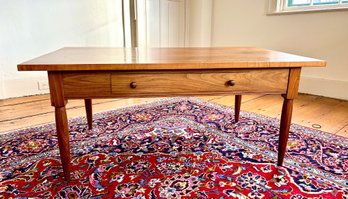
[177,148]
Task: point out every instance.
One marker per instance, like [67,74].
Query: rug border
[162,101]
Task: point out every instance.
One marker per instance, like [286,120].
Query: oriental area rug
[174,148]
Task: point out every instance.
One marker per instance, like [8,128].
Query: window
[288,6]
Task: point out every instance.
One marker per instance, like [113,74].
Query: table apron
[109,84]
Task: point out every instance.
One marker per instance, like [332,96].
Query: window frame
[281,7]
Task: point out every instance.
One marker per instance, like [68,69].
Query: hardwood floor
[326,114]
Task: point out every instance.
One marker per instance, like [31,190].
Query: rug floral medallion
[175,148]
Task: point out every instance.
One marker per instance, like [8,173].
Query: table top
[94,58]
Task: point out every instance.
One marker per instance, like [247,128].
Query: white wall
[31,28]
[322,35]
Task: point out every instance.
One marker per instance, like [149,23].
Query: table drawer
[86,84]
[195,83]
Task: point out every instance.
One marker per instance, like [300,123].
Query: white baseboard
[324,87]
[310,85]
[22,87]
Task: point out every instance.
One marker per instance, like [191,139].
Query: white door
[164,24]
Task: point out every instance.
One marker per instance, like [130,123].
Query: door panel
[165,23]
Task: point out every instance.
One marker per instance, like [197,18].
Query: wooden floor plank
[228,100]
[23,100]
[343,132]
[330,114]
[209,98]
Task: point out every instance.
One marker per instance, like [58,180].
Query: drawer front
[196,83]
[86,84]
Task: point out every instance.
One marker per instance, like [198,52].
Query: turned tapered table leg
[58,101]
[284,128]
[88,106]
[237,103]
[63,140]
[285,120]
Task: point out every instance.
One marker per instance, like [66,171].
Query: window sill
[306,10]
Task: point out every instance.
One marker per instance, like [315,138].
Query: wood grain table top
[96,58]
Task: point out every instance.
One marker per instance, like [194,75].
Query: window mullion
[312,2]
[340,2]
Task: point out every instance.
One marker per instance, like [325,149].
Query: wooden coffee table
[86,73]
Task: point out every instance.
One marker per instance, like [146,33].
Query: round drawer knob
[133,85]
[230,83]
